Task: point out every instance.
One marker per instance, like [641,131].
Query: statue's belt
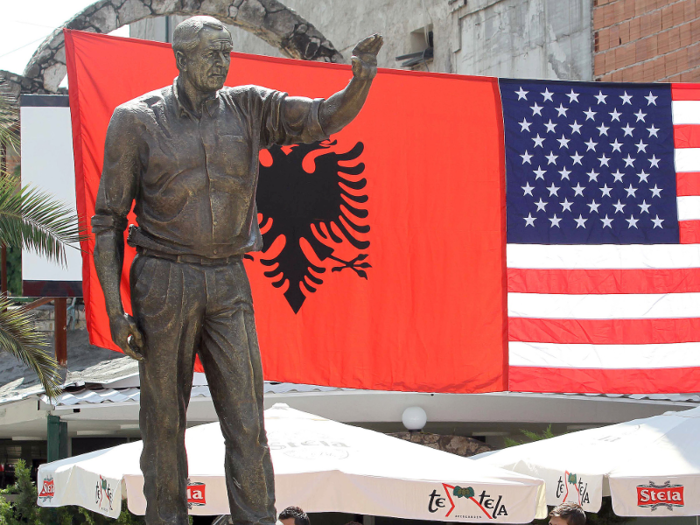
[149,247]
[189,259]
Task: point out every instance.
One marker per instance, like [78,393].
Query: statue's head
[202,47]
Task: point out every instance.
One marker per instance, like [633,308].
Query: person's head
[567,514]
[294,516]
[202,47]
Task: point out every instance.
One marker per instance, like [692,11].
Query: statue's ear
[181,60]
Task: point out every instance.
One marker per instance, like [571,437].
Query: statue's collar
[182,106]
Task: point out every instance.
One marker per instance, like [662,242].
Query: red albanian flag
[384,260]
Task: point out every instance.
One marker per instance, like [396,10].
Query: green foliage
[25,505]
[532,436]
[19,337]
[9,121]
[14,257]
[34,220]
[14,270]
[25,510]
[5,511]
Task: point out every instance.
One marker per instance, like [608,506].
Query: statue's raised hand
[364,57]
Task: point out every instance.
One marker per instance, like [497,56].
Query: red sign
[653,495]
[196,494]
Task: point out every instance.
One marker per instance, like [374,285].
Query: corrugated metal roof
[16,390]
[105,373]
[676,398]
[106,395]
[692,398]
[116,380]
[126,395]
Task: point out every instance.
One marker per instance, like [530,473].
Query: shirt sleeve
[120,173]
[288,120]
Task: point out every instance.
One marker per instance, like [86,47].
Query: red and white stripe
[614,318]
[686,136]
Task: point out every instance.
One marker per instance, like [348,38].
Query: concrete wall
[509,38]
[525,38]
[153,29]
[647,40]
[346,22]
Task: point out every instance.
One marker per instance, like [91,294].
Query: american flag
[603,217]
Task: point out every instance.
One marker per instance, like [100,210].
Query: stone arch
[270,20]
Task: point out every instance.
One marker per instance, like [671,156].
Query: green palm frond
[19,337]
[532,436]
[36,221]
[9,137]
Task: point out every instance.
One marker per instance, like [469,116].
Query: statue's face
[206,66]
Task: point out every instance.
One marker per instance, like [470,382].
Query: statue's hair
[186,34]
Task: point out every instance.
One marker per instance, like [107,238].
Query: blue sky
[24,24]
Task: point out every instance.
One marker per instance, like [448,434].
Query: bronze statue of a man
[187,155]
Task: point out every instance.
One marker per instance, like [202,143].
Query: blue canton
[589,163]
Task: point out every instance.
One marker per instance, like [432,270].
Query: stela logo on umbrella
[299,446]
[479,506]
[47,490]
[196,494]
[654,496]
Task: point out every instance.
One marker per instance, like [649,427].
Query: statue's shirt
[194,179]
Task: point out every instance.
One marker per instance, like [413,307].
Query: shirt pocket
[234,152]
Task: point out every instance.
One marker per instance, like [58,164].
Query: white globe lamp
[414,418]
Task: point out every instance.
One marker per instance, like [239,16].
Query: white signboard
[47,164]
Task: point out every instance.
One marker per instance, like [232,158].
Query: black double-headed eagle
[314,211]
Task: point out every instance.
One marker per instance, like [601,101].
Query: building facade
[506,38]
[604,40]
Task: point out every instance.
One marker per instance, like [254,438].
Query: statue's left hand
[364,57]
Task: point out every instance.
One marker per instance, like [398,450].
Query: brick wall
[647,40]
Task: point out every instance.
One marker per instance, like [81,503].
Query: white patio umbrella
[320,465]
[650,467]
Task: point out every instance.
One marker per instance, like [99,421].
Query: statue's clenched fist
[127,336]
